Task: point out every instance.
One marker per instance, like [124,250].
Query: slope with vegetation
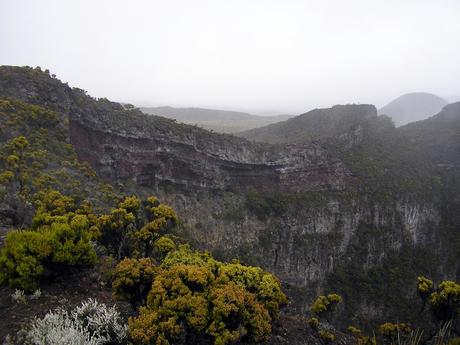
[314,125]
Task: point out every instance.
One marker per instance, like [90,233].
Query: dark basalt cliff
[312,213]
[142,149]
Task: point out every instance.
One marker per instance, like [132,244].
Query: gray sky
[256,55]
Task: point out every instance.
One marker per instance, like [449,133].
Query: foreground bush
[195,297]
[91,323]
[59,239]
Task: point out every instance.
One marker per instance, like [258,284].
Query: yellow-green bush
[325,304]
[445,301]
[132,279]
[264,285]
[196,296]
[327,336]
[184,255]
[392,330]
[163,246]
[59,239]
[21,259]
[133,227]
[424,287]
[235,314]
[6,176]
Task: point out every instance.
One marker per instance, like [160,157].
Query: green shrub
[58,240]
[132,279]
[193,295]
[22,259]
[424,288]
[265,286]
[445,301]
[163,246]
[392,330]
[132,229]
[324,305]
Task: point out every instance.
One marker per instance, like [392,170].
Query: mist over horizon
[262,57]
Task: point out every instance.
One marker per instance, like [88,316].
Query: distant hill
[413,107]
[316,124]
[222,121]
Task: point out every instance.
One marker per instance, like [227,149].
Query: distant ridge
[223,121]
[316,124]
[413,107]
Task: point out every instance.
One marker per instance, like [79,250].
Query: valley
[346,203]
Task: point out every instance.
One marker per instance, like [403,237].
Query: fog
[260,56]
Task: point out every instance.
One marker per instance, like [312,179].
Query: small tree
[424,288]
[133,227]
[325,305]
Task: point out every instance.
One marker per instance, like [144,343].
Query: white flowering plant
[91,323]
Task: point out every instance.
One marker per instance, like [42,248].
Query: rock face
[136,147]
[300,210]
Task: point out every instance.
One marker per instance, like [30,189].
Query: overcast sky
[271,56]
